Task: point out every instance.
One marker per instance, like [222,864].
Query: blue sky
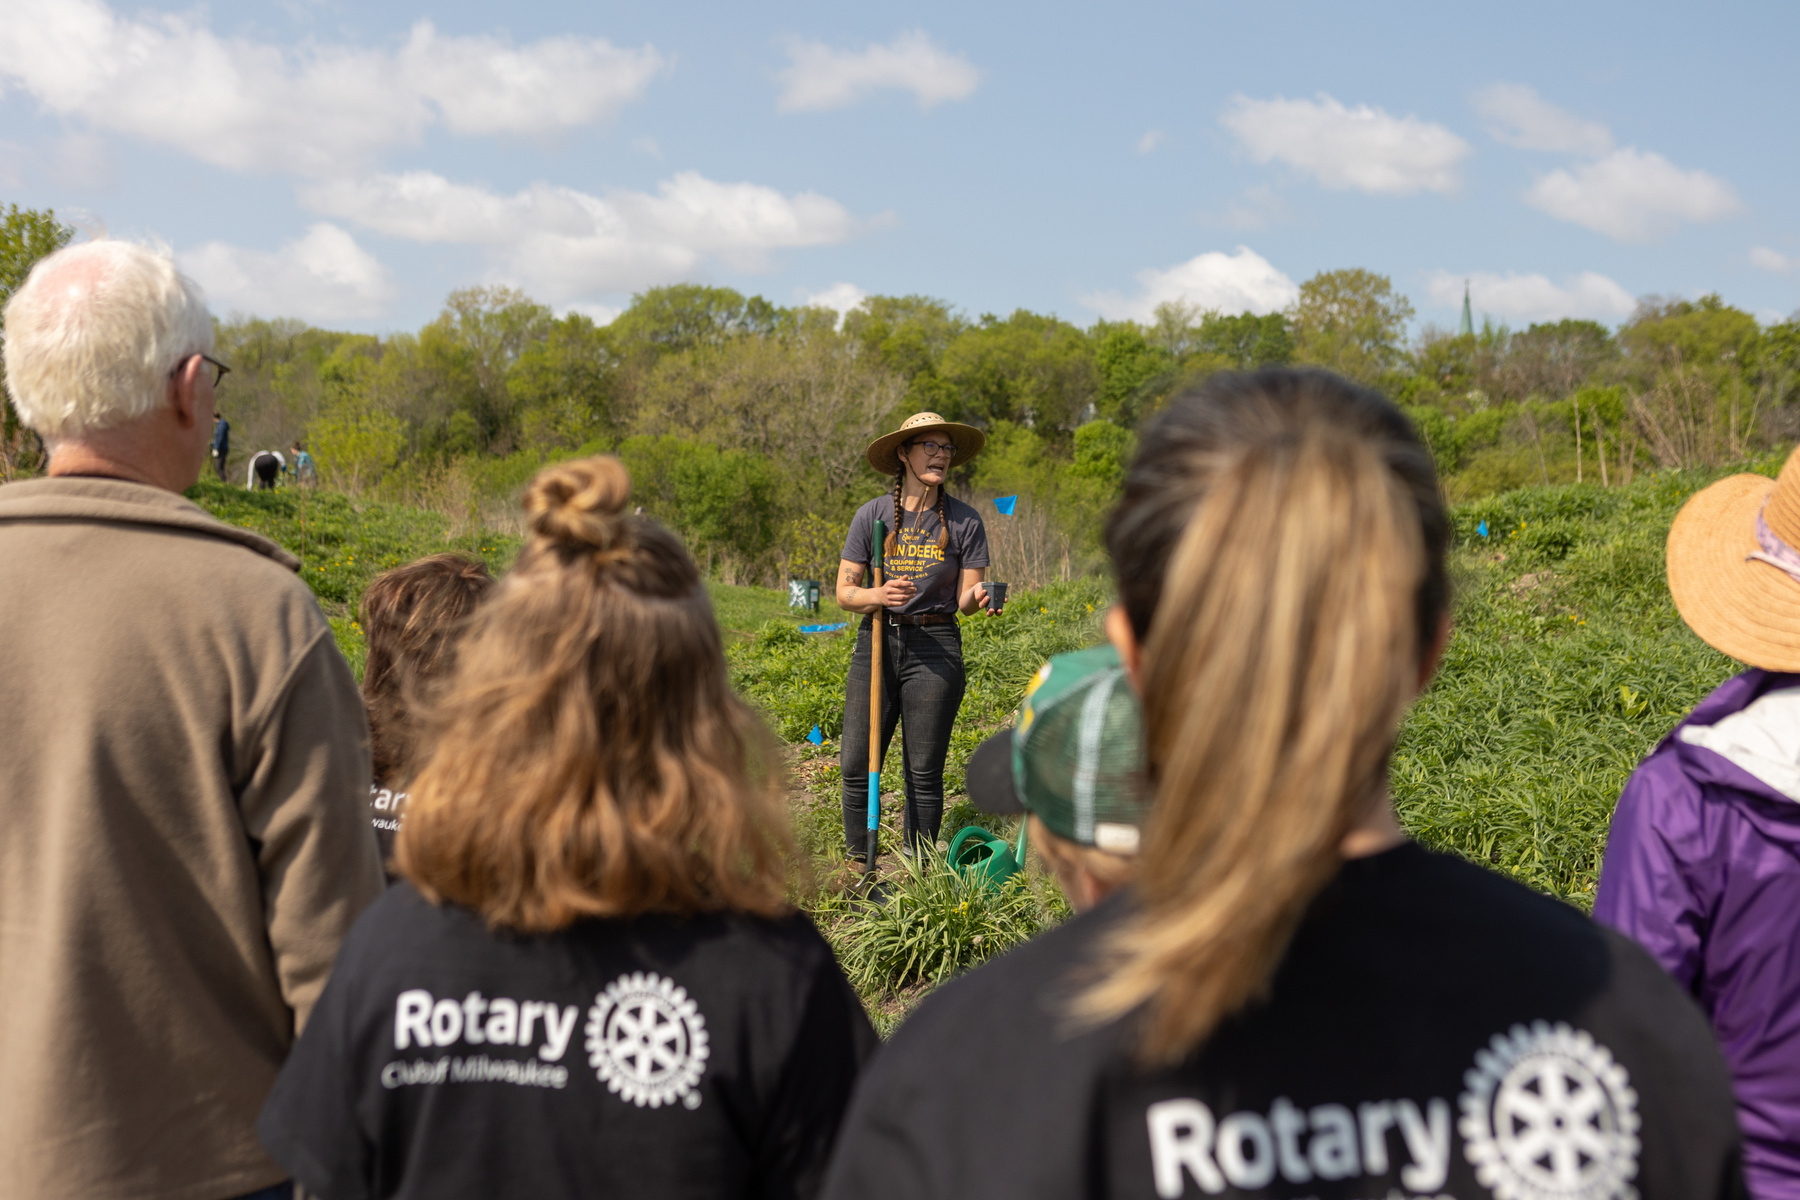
[350,164]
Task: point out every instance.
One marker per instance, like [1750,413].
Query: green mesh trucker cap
[1075,756]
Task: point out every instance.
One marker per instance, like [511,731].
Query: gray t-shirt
[933,571]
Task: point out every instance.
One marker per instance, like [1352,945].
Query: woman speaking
[934,556]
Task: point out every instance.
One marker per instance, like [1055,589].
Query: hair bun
[578,503]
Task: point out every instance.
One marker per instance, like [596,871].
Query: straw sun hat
[883,451]
[1734,567]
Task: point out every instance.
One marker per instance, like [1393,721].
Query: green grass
[1566,664]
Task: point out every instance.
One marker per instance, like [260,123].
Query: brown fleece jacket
[184,772]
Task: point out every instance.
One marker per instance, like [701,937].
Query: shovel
[877,639]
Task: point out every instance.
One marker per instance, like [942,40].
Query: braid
[893,538]
[943,520]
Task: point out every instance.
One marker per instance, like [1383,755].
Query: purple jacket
[1703,870]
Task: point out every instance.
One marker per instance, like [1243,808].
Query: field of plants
[1567,663]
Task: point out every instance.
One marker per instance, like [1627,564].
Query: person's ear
[1434,653]
[1124,640]
[184,392]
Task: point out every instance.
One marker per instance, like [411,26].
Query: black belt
[894,618]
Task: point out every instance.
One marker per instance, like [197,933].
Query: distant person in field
[1073,765]
[183,767]
[1290,998]
[590,981]
[1703,861]
[410,618]
[266,467]
[221,444]
[306,472]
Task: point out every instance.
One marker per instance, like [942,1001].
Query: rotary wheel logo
[647,1040]
[1548,1115]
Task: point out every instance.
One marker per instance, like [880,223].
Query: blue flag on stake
[1482,528]
[823,628]
[816,737]
[1005,504]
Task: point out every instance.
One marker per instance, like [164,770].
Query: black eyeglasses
[220,370]
[933,449]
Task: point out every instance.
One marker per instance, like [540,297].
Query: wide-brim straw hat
[884,451]
[1743,606]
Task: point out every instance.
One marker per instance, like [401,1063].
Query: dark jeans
[219,466]
[921,688]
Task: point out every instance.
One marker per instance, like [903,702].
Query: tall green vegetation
[752,417]
[25,237]
[745,421]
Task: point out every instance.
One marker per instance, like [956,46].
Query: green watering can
[986,856]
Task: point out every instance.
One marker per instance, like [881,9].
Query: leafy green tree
[722,502]
[684,316]
[1351,321]
[563,386]
[26,235]
[1028,368]
[1134,372]
[355,440]
[1552,359]
[908,336]
[1247,341]
[474,343]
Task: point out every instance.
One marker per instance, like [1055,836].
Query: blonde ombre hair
[587,756]
[1280,553]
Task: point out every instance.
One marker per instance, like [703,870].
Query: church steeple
[1467,328]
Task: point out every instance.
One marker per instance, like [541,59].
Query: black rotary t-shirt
[934,570]
[693,1057]
[1434,1030]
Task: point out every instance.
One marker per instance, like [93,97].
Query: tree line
[744,422]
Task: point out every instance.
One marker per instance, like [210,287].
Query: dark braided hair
[892,543]
[943,513]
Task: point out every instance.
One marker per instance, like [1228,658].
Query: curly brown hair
[410,616]
[588,756]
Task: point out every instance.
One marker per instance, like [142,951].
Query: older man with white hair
[183,763]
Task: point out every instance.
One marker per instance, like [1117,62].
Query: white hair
[94,334]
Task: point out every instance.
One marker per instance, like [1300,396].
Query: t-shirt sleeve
[833,1041]
[973,542]
[1651,886]
[309,1124]
[857,543]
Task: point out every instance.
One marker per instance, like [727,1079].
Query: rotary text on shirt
[421,1019]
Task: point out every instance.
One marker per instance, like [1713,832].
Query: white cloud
[1150,141]
[818,77]
[1531,298]
[318,110]
[324,277]
[1230,283]
[1518,116]
[1632,196]
[840,298]
[564,244]
[1773,260]
[1362,149]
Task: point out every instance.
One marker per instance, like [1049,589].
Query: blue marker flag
[1482,528]
[816,737]
[1005,504]
[822,628]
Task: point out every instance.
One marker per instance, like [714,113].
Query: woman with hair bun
[1292,999]
[589,980]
